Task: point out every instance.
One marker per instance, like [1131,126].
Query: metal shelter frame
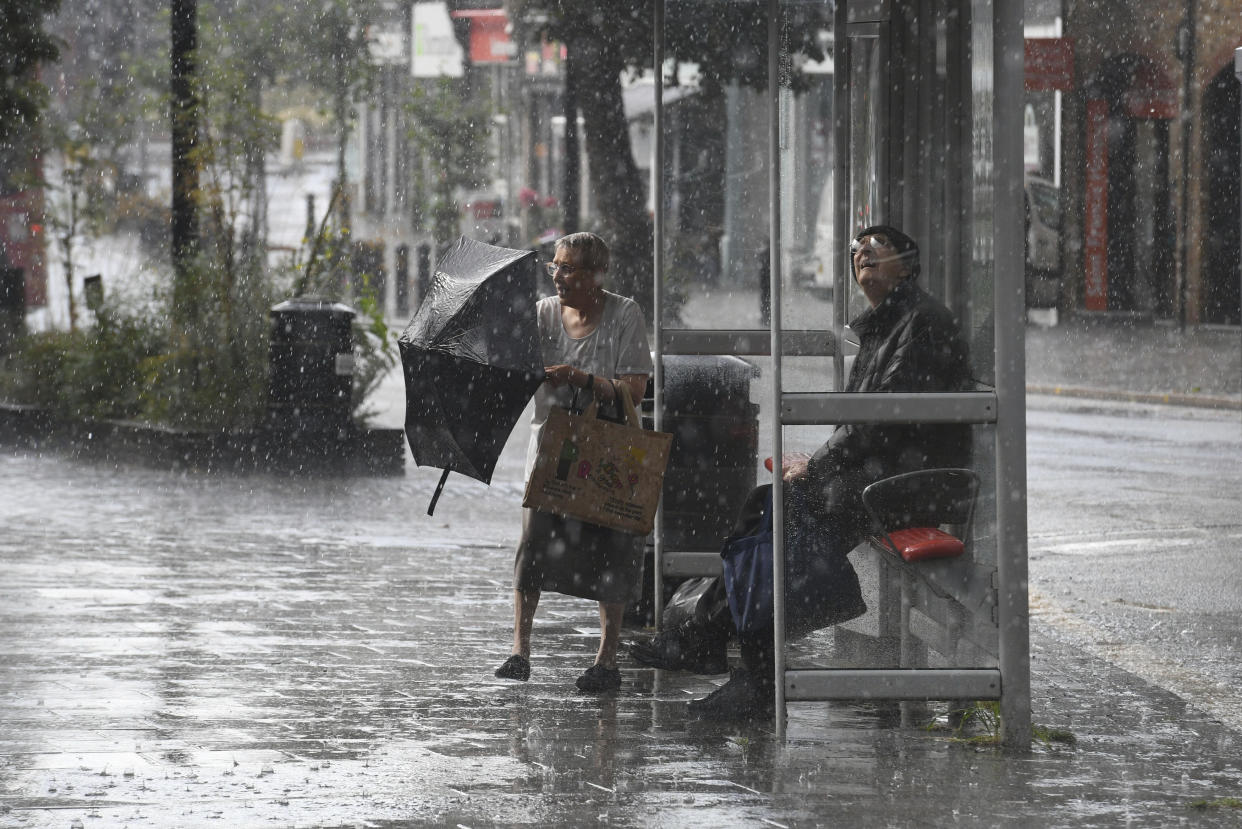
[990,25]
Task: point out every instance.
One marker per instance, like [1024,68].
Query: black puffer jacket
[908,343]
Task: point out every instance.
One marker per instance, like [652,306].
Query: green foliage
[214,372]
[201,360]
[81,193]
[91,373]
[374,354]
[24,45]
[335,61]
[980,724]
[724,41]
[1218,803]
[1048,736]
[449,130]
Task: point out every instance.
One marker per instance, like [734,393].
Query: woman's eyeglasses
[569,270]
[875,242]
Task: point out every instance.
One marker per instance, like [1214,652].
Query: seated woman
[909,342]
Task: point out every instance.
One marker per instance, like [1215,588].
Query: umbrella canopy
[471,358]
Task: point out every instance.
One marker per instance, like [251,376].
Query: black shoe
[743,697]
[671,651]
[598,679]
[515,667]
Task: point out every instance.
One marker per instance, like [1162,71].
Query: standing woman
[591,340]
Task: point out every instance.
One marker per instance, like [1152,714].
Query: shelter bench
[933,596]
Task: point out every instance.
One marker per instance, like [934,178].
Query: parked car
[1042,200]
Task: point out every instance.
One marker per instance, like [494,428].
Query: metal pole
[841,81]
[1237,73]
[774,246]
[1188,56]
[658,293]
[1013,598]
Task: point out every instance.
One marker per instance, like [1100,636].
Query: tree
[77,204]
[24,45]
[449,130]
[606,38]
[337,62]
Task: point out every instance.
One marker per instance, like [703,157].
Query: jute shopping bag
[604,473]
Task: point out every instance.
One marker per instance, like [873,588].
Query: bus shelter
[911,117]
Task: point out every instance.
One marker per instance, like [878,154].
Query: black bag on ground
[694,630]
[698,603]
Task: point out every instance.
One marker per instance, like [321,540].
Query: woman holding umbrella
[592,340]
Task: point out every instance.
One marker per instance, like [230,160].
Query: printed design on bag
[565,462]
[613,474]
[587,470]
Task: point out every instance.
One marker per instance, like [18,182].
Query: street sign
[436,50]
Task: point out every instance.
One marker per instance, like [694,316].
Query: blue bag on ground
[821,587]
[747,561]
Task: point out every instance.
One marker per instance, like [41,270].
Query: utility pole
[1237,73]
[184,114]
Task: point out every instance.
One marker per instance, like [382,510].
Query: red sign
[1095,263]
[489,35]
[21,241]
[1049,63]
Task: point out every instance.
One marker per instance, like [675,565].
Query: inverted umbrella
[471,358]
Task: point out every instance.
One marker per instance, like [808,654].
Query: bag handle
[622,392]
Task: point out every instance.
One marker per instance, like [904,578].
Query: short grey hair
[592,249]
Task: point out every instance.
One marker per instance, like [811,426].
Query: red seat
[923,543]
[927,499]
[787,459]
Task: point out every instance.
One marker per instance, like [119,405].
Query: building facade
[1150,161]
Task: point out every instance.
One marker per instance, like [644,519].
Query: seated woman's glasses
[876,242]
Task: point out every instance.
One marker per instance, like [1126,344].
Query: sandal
[515,667]
[598,679]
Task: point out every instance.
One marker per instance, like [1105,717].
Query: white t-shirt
[617,346]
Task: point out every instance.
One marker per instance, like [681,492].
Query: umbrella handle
[431,508]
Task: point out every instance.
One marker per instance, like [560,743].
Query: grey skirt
[563,555]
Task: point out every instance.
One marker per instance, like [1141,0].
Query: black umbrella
[472,359]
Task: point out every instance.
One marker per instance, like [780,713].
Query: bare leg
[610,616]
[524,604]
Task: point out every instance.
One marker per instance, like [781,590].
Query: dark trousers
[819,580]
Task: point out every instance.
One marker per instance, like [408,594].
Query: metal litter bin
[712,466]
[311,366]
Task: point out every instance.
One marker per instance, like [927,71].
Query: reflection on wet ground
[181,650]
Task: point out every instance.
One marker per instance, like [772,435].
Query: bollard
[12,307]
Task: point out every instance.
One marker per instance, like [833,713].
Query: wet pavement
[203,650]
[206,650]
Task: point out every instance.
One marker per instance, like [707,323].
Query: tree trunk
[702,177]
[617,184]
[185,115]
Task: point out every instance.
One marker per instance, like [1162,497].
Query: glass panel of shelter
[897,144]
[839,171]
